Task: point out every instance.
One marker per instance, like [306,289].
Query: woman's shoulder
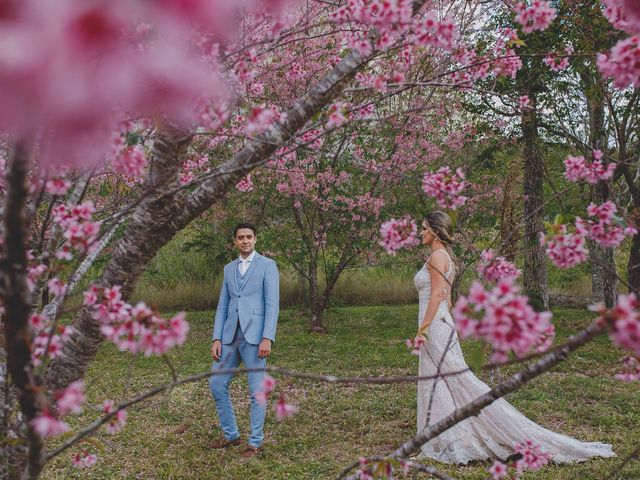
[438,258]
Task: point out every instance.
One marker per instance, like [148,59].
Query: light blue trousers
[232,354]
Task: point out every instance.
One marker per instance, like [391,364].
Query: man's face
[245,241]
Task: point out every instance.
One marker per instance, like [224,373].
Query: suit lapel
[250,270]
[236,284]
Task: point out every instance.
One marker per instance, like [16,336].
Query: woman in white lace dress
[499,427]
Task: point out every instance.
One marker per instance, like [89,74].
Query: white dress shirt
[244,263]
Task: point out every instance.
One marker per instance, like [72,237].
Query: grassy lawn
[168,436]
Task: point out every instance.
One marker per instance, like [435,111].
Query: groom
[243,331]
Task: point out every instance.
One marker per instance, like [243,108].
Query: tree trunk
[603,267]
[633,265]
[535,266]
[509,228]
[316,305]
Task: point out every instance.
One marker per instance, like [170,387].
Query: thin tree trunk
[17,301]
[508,211]
[535,265]
[603,266]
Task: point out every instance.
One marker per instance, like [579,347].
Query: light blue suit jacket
[255,306]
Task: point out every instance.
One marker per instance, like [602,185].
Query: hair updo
[441,225]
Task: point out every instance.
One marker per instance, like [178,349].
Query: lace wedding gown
[498,427]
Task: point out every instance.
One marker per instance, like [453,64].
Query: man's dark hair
[250,226]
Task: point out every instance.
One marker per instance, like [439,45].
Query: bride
[499,427]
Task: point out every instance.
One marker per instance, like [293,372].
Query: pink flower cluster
[84,459]
[78,230]
[245,184]
[268,386]
[631,371]
[626,323]
[118,421]
[282,409]
[57,186]
[192,167]
[577,169]
[261,118]
[71,66]
[337,115]
[622,63]
[391,19]
[69,400]
[603,229]
[416,344]
[533,458]
[558,63]
[39,348]
[536,16]
[502,317]
[565,250]
[494,268]
[623,14]
[131,162]
[135,329]
[445,186]
[398,234]
[429,31]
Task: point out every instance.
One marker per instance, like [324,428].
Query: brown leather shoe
[250,451]
[224,443]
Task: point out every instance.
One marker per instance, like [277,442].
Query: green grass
[167,437]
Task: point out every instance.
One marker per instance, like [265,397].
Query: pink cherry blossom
[626,323]
[118,421]
[84,459]
[603,228]
[502,317]
[37,322]
[445,186]
[631,372]
[137,329]
[71,398]
[46,425]
[622,63]
[337,115]
[398,234]
[565,250]
[525,102]
[534,16]
[416,344]
[91,295]
[131,162]
[268,385]
[245,184]
[57,286]
[283,409]
[533,457]
[57,186]
[623,14]
[556,63]
[498,470]
[577,169]
[492,268]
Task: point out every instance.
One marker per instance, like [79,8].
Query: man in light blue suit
[243,331]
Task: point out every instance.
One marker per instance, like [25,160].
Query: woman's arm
[437,265]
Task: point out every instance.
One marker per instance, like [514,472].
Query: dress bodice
[422,280]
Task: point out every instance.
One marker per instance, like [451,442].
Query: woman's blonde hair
[441,225]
